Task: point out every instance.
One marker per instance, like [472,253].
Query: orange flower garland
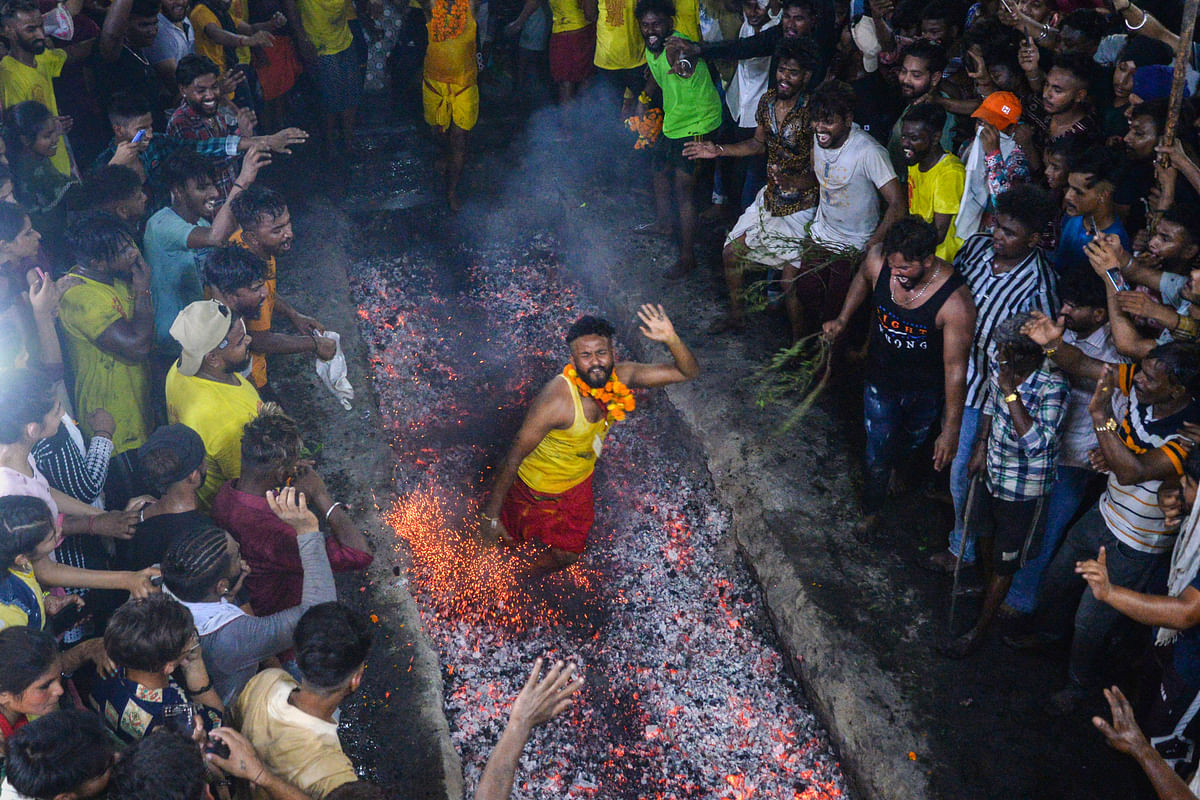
[448,20]
[614,395]
[647,128]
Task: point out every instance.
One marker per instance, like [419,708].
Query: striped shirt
[1021,467]
[1132,512]
[1029,285]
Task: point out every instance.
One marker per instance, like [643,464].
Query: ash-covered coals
[686,694]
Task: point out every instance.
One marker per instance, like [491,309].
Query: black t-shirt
[131,73]
[153,536]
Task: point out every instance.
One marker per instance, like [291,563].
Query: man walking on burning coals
[1015,448]
[920,337]
[784,207]
[543,490]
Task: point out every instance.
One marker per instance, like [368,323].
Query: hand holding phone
[1117,279]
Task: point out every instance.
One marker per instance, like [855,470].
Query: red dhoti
[558,520]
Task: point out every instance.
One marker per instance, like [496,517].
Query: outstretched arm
[1180,613]
[1124,735]
[657,327]
[541,700]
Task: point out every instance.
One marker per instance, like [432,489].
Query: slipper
[650,229]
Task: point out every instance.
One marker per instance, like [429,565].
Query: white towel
[333,373]
[975,194]
[1185,562]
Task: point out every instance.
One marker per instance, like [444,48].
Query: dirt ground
[858,620]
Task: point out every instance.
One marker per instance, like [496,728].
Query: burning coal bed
[686,694]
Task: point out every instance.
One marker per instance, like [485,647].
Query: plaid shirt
[187,124]
[160,147]
[1022,467]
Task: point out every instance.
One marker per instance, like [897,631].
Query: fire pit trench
[686,692]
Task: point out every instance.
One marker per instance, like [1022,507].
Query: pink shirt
[14,483]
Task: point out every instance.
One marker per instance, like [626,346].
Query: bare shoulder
[872,263]
[553,406]
[959,306]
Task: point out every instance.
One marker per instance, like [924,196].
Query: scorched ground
[687,695]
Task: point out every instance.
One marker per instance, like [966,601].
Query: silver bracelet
[1141,24]
[332,506]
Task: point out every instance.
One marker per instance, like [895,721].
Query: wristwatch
[1110,425]
[1012,398]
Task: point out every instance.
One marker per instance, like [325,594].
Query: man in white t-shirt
[855,174]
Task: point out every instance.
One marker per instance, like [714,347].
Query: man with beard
[1090,206]
[784,207]
[198,116]
[27,72]
[691,112]
[1064,109]
[543,489]
[854,173]
[266,231]
[923,320]
[176,38]
[176,234]
[205,391]
[798,18]
[919,79]
[117,62]
[935,178]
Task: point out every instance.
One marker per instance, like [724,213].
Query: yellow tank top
[452,61]
[565,458]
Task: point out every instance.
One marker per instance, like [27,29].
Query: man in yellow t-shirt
[620,51]
[27,72]
[266,231]
[205,391]
[543,490]
[935,178]
[108,320]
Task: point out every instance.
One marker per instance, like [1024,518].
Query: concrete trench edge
[385,590]
[871,724]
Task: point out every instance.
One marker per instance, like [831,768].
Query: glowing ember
[686,695]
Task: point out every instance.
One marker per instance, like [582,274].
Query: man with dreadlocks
[205,569]
[543,490]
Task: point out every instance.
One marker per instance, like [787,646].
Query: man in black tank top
[922,320]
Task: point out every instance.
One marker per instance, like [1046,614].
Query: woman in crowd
[32,136]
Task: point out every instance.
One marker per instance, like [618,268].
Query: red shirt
[269,546]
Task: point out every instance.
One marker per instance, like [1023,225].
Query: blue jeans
[897,423]
[1065,496]
[960,481]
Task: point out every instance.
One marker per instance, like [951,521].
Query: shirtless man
[544,487]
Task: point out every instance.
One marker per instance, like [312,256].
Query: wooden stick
[1178,81]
